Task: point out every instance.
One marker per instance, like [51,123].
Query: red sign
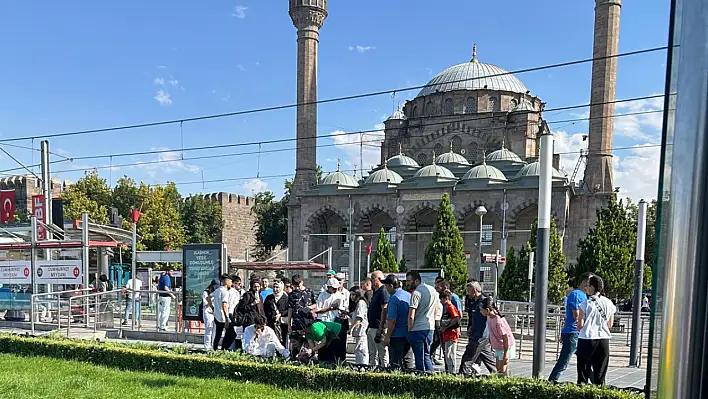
[38,212]
[26,272]
[7,201]
[76,272]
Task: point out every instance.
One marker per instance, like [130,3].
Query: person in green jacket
[324,338]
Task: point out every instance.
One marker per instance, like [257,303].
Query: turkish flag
[7,201]
[368,249]
[135,215]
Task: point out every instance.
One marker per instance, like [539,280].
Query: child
[500,336]
[450,326]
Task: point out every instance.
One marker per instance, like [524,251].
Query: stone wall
[239,223]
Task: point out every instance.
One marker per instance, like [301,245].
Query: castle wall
[238,232]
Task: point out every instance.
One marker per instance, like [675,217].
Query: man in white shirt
[222,317]
[261,340]
[421,320]
[132,290]
[330,301]
[233,333]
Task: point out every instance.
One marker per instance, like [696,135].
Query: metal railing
[51,299]
[105,305]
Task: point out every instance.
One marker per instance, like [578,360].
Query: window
[493,104]
[487,235]
[422,159]
[512,104]
[430,108]
[343,237]
[448,107]
[474,152]
[391,236]
[456,144]
[438,149]
[470,105]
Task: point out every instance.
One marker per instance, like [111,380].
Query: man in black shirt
[301,302]
[376,316]
[478,349]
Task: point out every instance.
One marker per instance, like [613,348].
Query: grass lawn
[45,378]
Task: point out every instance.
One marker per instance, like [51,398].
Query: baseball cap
[333,282]
[331,273]
[339,276]
[391,279]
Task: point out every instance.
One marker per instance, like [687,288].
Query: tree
[446,249]
[383,257]
[557,273]
[513,282]
[201,220]
[126,196]
[89,194]
[271,224]
[160,227]
[402,265]
[609,250]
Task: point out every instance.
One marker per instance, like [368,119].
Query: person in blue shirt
[569,333]
[399,350]
[165,300]
[265,289]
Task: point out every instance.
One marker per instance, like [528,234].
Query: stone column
[399,246]
[598,173]
[308,17]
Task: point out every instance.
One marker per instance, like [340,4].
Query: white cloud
[240,12]
[637,172]
[640,127]
[569,146]
[166,162]
[159,81]
[173,81]
[254,186]
[350,144]
[361,49]
[163,97]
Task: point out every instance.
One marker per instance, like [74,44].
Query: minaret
[308,17]
[598,173]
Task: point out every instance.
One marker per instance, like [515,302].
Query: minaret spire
[474,53]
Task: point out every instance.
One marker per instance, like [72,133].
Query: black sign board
[201,265]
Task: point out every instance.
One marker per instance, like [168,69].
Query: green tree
[126,196]
[201,219]
[89,194]
[383,257]
[271,224]
[402,265]
[446,249]
[513,282]
[160,226]
[609,250]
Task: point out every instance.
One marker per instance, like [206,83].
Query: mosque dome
[339,178]
[451,157]
[384,175]
[434,170]
[473,75]
[401,160]
[524,106]
[484,171]
[397,115]
[503,155]
[534,169]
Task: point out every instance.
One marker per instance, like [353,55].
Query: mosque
[471,132]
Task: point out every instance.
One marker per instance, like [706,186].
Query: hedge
[310,378]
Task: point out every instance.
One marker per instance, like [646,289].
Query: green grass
[37,377]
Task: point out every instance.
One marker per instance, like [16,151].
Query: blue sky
[77,65]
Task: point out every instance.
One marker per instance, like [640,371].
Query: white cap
[340,276]
[333,282]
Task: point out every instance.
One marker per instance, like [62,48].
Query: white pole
[360,255]
[634,352]
[133,271]
[496,277]
[85,257]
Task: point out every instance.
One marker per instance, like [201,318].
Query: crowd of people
[407,324]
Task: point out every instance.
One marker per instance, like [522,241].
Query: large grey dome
[434,171]
[384,175]
[534,169]
[339,178]
[484,171]
[451,157]
[402,160]
[503,155]
[473,75]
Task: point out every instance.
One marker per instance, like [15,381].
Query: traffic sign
[492,258]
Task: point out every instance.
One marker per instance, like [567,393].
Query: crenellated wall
[238,232]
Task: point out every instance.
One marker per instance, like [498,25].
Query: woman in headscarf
[275,307]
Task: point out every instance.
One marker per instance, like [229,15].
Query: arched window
[430,108]
[493,104]
[474,152]
[448,106]
[438,149]
[456,144]
[470,105]
[512,104]
[422,159]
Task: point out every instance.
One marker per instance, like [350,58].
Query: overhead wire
[330,100]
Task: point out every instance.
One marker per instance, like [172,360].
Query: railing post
[32,313]
[68,326]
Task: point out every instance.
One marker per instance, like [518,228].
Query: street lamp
[480,211]
[360,239]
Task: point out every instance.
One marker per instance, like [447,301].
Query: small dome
[397,115]
[384,175]
[401,160]
[524,106]
[484,171]
[534,169]
[451,158]
[434,171]
[339,178]
[503,155]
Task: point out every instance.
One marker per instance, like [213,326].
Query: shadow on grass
[159,382]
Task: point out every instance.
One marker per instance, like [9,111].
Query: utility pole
[47,193]
[634,350]
[542,250]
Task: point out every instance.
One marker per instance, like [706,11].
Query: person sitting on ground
[261,340]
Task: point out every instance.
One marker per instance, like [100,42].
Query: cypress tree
[383,258]
[446,249]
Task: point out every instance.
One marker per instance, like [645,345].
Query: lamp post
[360,240]
[480,211]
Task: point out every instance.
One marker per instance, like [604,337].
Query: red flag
[7,200]
[38,212]
[368,249]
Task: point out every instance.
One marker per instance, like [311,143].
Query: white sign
[488,287]
[59,272]
[15,272]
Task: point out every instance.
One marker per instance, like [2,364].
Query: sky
[77,65]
